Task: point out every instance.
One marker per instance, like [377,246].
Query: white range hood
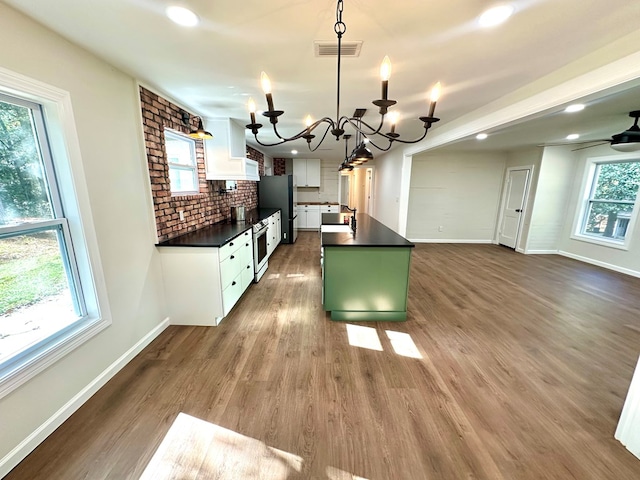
[226,153]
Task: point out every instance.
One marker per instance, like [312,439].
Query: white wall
[105,106]
[386,188]
[556,174]
[627,261]
[459,192]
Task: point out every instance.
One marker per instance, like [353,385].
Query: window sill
[186,194]
[27,367]
[600,241]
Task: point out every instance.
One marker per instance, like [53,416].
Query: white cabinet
[308,216]
[331,208]
[226,153]
[202,284]
[306,172]
[274,232]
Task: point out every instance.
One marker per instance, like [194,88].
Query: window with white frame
[610,201]
[183,167]
[41,295]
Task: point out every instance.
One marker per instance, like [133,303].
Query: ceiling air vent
[330,49]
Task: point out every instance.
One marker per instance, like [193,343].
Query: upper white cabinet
[226,153]
[306,172]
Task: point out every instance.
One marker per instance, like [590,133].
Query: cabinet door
[313,172]
[302,218]
[313,218]
[300,172]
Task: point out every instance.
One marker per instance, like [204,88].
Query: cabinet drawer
[231,294]
[329,209]
[231,247]
[231,267]
[247,276]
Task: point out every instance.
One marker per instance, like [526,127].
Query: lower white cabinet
[202,284]
[308,216]
[274,232]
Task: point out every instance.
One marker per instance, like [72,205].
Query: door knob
[518,210]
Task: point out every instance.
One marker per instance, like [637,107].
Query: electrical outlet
[181,213]
[440,228]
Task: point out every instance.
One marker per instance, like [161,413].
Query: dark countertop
[369,233]
[220,233]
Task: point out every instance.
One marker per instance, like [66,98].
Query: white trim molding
[25,447]
[450,240]
[598,263]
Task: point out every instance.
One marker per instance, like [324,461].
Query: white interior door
[512,211]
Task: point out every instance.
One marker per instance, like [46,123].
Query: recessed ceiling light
[573,136]
[576,107]
[481,136]
[182,16]
[294,152]
[495,16]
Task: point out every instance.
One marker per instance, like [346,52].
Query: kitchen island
[365,274]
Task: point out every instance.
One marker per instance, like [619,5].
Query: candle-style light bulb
[435,95]
[266,83]
[393,119]
[385,74]
[385,69]
[435,92]
[252,109]
[266,88]
[308,121]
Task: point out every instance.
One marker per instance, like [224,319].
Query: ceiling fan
[627,141]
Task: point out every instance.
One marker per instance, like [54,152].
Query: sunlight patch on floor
[337,474]
[363,337]
[194,448]
[403,344]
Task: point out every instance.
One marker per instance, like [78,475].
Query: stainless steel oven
[260,258]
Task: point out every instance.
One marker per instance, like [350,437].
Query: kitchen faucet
[353,217]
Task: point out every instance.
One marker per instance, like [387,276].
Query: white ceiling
[212,69]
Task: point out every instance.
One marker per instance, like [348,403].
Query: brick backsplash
[279,167]
[205,208]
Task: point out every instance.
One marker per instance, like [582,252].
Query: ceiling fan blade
[590,146]
[599,141]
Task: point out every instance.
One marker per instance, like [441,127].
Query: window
[609,209]
[41,293]
[183,168]
[49,286]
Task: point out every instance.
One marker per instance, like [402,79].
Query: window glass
[24,195]
[36,300]
[181,158]
[611,203]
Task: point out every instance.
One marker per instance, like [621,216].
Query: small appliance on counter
[238,214]
[279,191]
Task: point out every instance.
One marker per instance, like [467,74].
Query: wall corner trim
[15,456]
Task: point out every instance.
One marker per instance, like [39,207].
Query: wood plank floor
[524,363]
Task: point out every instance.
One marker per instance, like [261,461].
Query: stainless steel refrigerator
[279,191]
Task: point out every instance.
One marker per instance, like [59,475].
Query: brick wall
[206,208]
[279,167]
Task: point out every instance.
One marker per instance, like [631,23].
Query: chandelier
[365,133]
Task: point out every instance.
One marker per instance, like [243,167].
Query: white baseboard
[626,271]
[25,447]
[541,252]
[444,240]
